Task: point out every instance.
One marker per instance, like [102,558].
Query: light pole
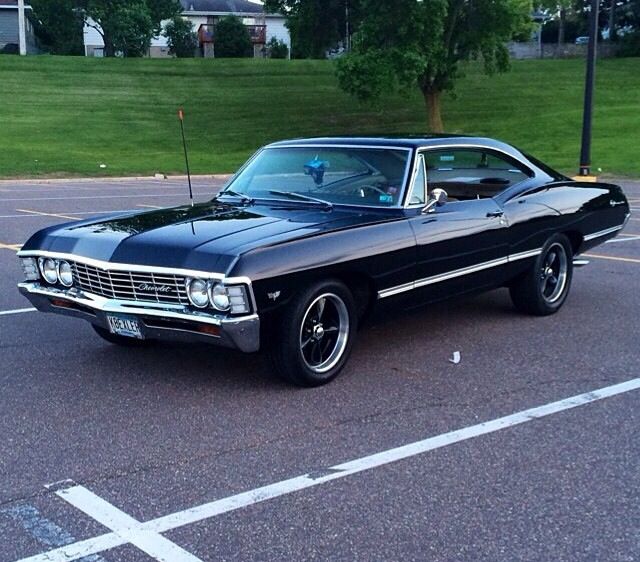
[22,40]
[585,151]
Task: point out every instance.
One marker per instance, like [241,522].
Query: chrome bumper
[158,321]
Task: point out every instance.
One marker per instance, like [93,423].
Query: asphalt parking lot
[527,449]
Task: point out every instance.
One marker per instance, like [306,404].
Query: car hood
[208,236]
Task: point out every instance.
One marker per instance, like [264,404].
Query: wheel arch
[576,239]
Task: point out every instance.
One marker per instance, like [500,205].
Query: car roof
[403,141]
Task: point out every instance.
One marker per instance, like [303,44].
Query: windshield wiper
[245,198]
[302,197]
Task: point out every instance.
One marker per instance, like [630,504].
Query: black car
[312,235]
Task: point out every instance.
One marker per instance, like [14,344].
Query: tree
[232,38]
[317,25]
[58,26]
[277,49]
[181,38]
[559,10]
[402,44]
[127,26]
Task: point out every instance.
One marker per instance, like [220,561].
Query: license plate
[123,326]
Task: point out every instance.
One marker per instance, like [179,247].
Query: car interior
[471,174]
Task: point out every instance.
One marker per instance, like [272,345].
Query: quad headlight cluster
[52,271]
[203,293]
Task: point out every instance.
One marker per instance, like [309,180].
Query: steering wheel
[372,188]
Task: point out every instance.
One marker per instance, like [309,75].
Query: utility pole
[22,39]
[585,151]
[347,39]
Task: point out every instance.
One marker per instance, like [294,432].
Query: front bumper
[158,321]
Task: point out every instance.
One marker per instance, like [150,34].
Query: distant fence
[531,50]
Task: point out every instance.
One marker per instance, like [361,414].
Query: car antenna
[186,158]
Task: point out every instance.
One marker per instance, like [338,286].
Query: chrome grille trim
[127,285]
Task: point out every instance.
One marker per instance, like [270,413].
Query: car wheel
[544,288]
[119,340]
[315,335]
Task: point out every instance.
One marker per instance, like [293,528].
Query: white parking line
[17,311]
[186,198]
[629,239]
[125,526]
[218,507]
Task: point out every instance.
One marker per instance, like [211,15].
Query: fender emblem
[615,203]
[273,296]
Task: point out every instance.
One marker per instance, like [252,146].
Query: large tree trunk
[561,26]
[432,100]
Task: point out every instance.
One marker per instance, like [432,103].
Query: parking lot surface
[527,449]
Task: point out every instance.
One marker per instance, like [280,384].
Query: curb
[159,178]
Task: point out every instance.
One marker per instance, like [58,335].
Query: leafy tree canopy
[181,38]
[58,26]
[317,25]
[402,44]
[232,38]
[127,26]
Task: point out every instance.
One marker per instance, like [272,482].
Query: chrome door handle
[494,214]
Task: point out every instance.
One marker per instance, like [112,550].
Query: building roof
[221,6]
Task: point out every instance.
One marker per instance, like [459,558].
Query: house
[204,14]
[10,30]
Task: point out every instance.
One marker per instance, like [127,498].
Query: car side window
[419,188]
[472,173]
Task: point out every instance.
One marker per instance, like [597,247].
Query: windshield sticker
[447,158]
[385,198]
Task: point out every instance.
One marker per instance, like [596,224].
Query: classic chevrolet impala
[311,235]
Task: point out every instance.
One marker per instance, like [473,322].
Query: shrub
[629,45]
[181,38]
[277,49]
[232,38]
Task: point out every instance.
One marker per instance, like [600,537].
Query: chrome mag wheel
[324,332]
[553,273]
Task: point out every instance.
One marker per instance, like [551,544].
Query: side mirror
[437,198]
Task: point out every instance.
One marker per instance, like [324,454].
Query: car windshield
[336,174]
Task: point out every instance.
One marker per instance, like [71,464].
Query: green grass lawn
[64,116]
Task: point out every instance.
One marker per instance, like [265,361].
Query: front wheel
[544,288]
[315,335]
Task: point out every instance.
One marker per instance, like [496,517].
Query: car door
[463,244]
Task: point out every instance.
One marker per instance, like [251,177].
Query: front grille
[131,285]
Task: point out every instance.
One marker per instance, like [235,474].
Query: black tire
[119,340]
[543,289]
[306,352]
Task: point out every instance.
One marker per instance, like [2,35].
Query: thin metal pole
[186,158]
[585,151]
[22,39]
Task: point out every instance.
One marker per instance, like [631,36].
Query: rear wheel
[119,340]
[315,335]
[544,288]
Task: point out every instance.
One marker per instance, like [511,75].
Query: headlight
[30,268]
[49,270]
[232,299]
[219,297]
[197,291]
[65,275]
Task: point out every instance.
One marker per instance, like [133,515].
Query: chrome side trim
[603,232]
[524,255]
[456,273]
